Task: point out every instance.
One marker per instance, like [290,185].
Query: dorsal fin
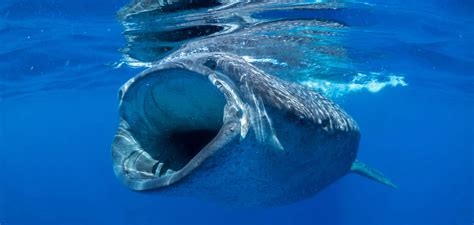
[364,170]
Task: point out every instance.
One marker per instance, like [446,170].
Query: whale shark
[216,127]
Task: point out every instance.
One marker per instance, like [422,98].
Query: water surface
[402,70]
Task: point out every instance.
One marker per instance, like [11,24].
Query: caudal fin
[364,170]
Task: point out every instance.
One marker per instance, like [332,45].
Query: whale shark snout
[216,127]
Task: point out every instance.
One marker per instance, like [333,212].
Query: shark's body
[217,127]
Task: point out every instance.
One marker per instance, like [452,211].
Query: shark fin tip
[364,170]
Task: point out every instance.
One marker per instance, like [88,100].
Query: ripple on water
[300,41]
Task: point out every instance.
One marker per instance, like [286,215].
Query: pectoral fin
[364,170]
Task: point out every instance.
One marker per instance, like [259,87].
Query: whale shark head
[217,127]
[171,117]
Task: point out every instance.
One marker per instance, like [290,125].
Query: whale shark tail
[364,170]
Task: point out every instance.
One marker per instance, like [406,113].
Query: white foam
[374,82]
[263,60]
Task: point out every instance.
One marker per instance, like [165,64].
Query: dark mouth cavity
[182,113]
[187,144]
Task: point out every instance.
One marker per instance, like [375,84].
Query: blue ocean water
[405,76]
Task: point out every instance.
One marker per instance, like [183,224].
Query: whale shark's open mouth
[184,112]
[171,115]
